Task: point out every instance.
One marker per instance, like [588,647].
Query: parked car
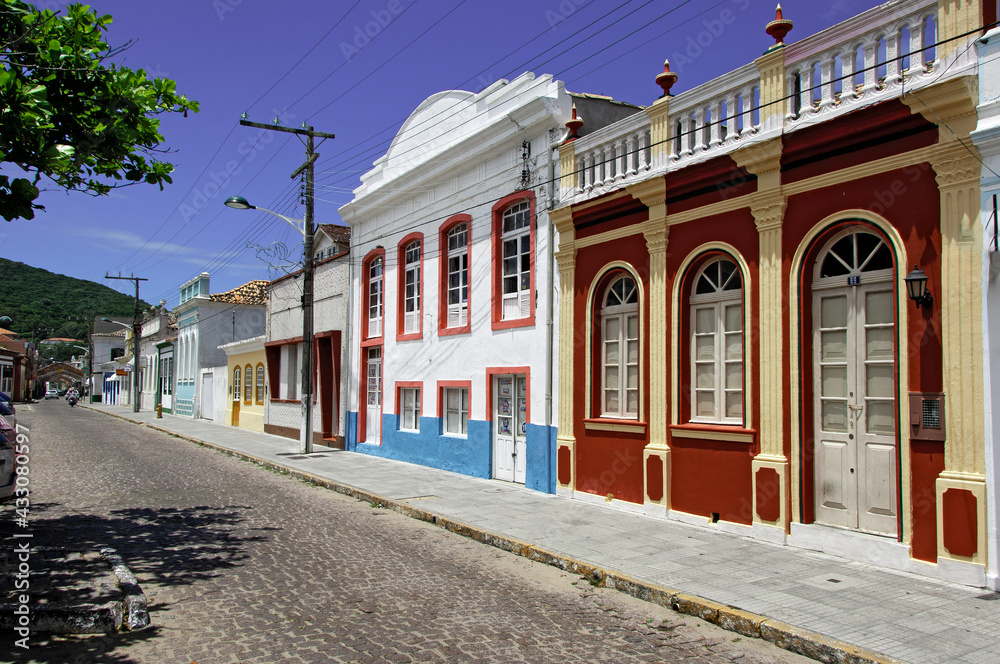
[5,398]
[8,436]
[8,413]
[52,393]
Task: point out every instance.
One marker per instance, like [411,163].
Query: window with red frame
[411,288]
[375,298]
[515,246]
[457,283]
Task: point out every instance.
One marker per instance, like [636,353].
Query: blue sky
[355,69]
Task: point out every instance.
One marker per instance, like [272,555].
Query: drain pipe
[550,205]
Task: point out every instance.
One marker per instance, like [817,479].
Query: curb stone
[788,637]
[130,613]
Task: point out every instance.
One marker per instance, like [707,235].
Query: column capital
[562,219]
[566,258]
[956,165]
[657,240]
[768,211]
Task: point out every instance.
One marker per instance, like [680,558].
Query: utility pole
[306,429]
[136,338]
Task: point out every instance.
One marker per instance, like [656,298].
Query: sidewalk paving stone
[826,607]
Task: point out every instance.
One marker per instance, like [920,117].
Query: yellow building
[245,383]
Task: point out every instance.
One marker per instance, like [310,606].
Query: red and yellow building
[738,348]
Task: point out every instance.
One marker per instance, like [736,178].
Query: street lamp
[136,334]
[305,227]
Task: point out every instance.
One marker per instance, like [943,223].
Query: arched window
[375,298]
[619,350]
[236,384]
[716,328]
[260,384]
[248,388]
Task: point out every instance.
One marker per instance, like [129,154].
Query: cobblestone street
[245,565]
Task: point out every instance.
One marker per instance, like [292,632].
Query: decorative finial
[276,120]
[573,124]
[244,116]
[666,79]
[778,28]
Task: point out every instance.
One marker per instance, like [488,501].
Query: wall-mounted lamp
[916,288]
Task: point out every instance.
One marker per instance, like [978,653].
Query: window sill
[621,426]
[448,331]
[725,432]
[373,341]
[286,400]
[514,322]
[412,336]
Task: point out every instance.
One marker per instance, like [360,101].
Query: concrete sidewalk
[822,606]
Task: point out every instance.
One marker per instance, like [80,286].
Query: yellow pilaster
[659,131]
[961,488]
[566,260]
[653,194]
[768,209]
[956,17]
[772,89]
[568,177]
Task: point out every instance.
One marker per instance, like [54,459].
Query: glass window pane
[834,382]
[878,308]
[734,346]
[705,375]
[704,349]
[612,327]
[879,381]
[734,318]
[734,376]
[734,404]
[632,323]
[611,353]
[834,416]
[633,352]
[705,404]
[611,401]
[705,320]
[611,376]
[833,312]
[879,418]
[833,346]
[632,378]
[878,343]
[632,402]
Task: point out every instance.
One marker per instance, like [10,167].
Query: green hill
[40,303]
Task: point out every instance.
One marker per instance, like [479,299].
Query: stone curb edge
[788,637]
[130,613]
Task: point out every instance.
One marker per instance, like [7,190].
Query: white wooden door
[855,408]
[207,394]
[509,427]
[373,419]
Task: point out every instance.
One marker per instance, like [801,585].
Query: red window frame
[398,389]
[496,256]
[443,329]
[401,334]
[441,386]
[369,258]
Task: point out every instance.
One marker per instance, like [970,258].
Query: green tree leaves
[70,115]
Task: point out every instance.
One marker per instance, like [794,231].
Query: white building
[331,278]
[452,363]
[205,322]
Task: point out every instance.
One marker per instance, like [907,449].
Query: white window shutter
[525,302]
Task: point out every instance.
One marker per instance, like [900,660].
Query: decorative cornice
[760,159]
